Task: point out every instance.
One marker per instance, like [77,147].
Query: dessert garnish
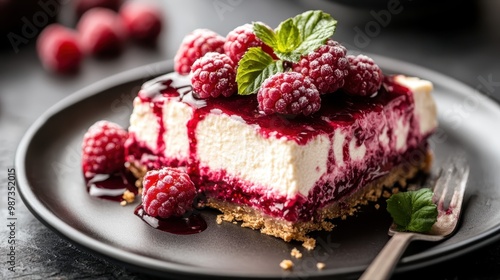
[195,45]
[364,76]
[167,202]
[413,210]
[289,93]
[103,148]
[292,39]
[213,75]
[167,192]
[289,67]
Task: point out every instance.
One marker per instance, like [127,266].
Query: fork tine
[453,175]
[441,186]
[460,182]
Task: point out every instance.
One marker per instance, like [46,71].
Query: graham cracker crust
[298,231]
[347,206]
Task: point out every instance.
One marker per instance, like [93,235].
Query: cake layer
[285,167]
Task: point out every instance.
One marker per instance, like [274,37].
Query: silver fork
[448,195]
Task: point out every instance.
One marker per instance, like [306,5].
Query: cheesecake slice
[284,175]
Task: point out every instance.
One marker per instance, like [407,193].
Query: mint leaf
[288,36]
[265,34]
[292,39]
[315,27]
[254,67]
[413,210]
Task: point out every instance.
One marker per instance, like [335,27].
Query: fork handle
[383,265]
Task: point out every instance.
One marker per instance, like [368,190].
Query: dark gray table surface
[459,39]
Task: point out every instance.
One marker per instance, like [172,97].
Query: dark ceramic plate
[51,184]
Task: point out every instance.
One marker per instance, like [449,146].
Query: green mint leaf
[288,36]
[413,210]
[254,67]
[288,56]
[265,34]
[315,27]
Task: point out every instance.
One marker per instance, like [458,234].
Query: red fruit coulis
[190,223]
[111,186]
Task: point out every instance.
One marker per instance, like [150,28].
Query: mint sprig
[292,39]
[258,66]
[413,210]
[315,27]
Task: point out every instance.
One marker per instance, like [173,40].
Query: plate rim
[49,219]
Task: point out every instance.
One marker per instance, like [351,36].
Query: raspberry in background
[214,74]
[364,78]
[240,39]
[289,93]
[195,45]
[142,21]
[101,32]
[327,66]
[81,6]
[103,149]
[58,49]
[167,192]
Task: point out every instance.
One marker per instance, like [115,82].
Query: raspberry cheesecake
[283,136]
[285,176]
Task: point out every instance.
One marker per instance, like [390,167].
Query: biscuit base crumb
[218,219]
[286,264]
[296,253]
[128,197]
[320,265]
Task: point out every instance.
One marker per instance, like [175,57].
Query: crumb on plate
[128,197]
[309,244]
[296,253]
[286,264]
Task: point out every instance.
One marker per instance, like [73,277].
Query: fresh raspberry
[168,192]
[364,78]
[327,66]
[289,93]
[142,21]
[58,49]
[213,75]
[103,148]
[240,39]
[101,32]
[81,6]
[195,45]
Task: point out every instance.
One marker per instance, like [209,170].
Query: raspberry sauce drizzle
[111,186]
[190,223]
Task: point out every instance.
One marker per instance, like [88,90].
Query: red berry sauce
[111,186]
[190,223]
